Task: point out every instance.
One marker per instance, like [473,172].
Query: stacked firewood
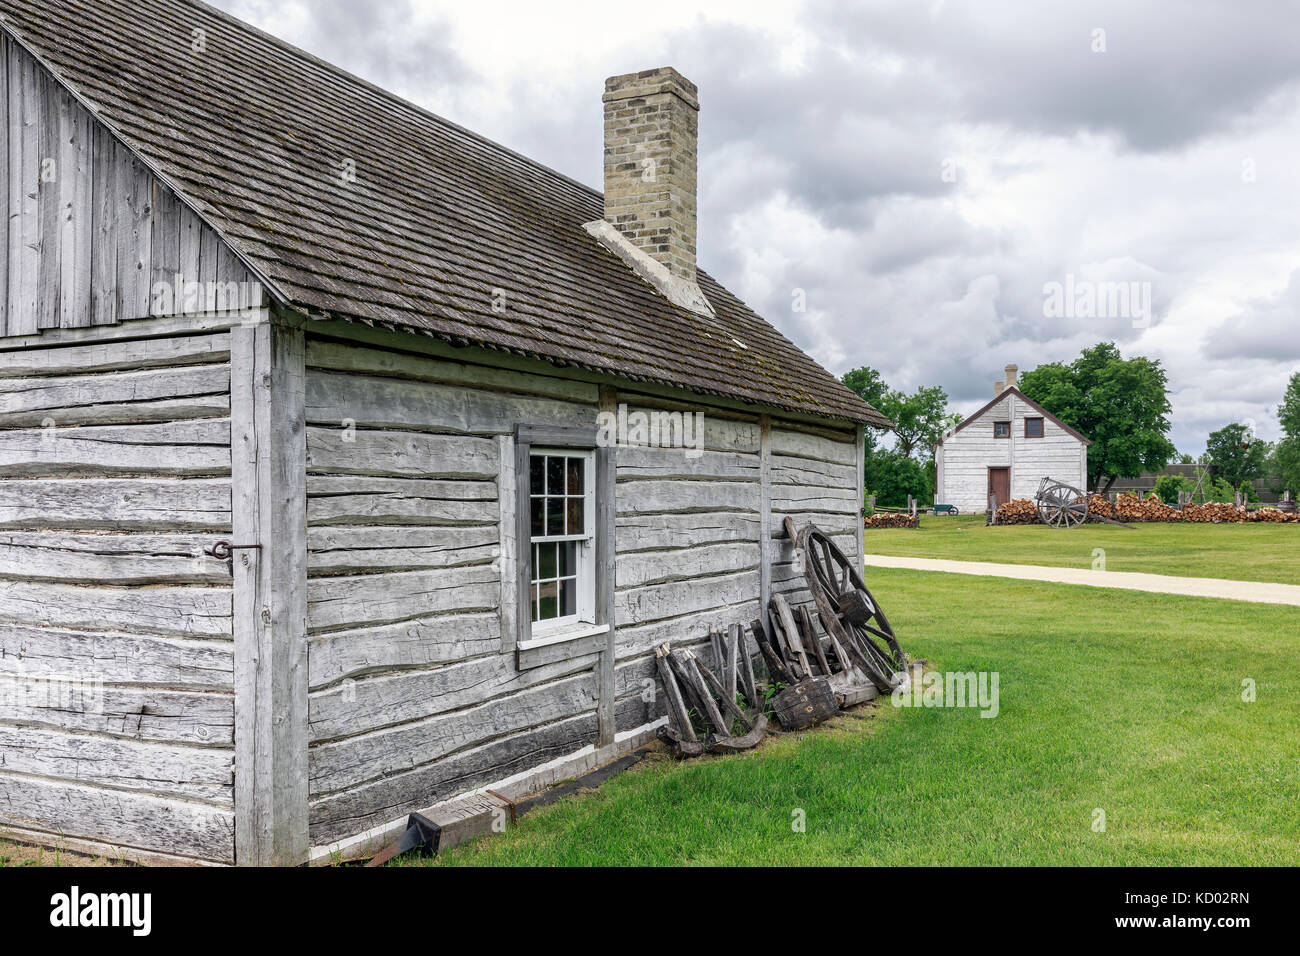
[1101,506]
[1274,515]
[885,519]
[1132,508]
[1017,511]
[707,711]
[1214,512]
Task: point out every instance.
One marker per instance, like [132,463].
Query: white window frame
[584,616]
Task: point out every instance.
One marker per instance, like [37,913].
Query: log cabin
[352,464]
[1003,450]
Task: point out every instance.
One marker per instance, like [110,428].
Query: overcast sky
[1153,143]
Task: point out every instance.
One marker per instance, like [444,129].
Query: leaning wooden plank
[725,703]
[356,760]
[340,602]
[731,653]
[689,671]
[183,611]
[117,559]
[78,702]
[436,639]
[776,666]
[785,617]
[116,504]
[811,639]
[122,356]
[191,663]
[137,820]
[196,773]
[345,450]
[676,706]
[374,402]
[748,685]
[197,448]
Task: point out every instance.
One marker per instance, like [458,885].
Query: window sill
[563,644]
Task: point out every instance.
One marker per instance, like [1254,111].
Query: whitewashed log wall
[415,692]
[90,230]
[116,654]
[688,546]
[964,458]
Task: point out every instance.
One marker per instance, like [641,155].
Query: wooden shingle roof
[437,226]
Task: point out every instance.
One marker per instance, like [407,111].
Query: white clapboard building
[352,464]
[1004,450]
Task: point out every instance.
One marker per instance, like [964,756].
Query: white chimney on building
[1012,374]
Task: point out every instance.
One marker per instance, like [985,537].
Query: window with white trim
[562,519]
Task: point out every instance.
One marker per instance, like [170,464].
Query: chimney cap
[663,79]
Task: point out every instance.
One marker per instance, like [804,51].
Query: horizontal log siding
[814,477]
[688,547]
[413,695]
[116,654]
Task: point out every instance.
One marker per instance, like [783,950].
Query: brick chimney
[999,388]
[1012,374]
[651,128]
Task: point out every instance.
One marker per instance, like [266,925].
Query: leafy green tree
[1168,487]
[1236,454]
[920,419]
[1286,455]
[893,477]
[1121,404]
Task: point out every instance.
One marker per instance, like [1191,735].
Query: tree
[1168,487]
[1287,453]
[1121,404]
[1236,454]
[892,477]
[920,419]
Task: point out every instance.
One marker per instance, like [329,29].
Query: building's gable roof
[442,232]
[1028,401]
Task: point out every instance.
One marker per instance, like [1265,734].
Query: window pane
[554,476]
[549,606]
[575,477]
[545,562]
[532,604]
[538,508]
[536,475]
[568,596]
[555,514]
[574,521]
[568,559]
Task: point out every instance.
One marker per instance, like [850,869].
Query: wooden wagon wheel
[847,609]
[1060,505]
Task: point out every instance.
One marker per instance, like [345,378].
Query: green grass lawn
[1123,701]
[1251,552]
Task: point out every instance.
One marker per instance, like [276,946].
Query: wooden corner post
[268,445]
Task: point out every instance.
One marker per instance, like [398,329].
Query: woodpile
[1101,506]
[886,519]
[1274,516]
[1017,511]
[1214,512]
[1132,508]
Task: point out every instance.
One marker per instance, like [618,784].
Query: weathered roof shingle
[257,136]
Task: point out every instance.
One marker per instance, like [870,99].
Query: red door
[1000,484]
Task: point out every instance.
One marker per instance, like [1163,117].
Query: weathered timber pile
[838,653]
[1131,508]
[1274,516]
[1214,512]
[884,519]
[707,711]
[1101,506]
[1017,511]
